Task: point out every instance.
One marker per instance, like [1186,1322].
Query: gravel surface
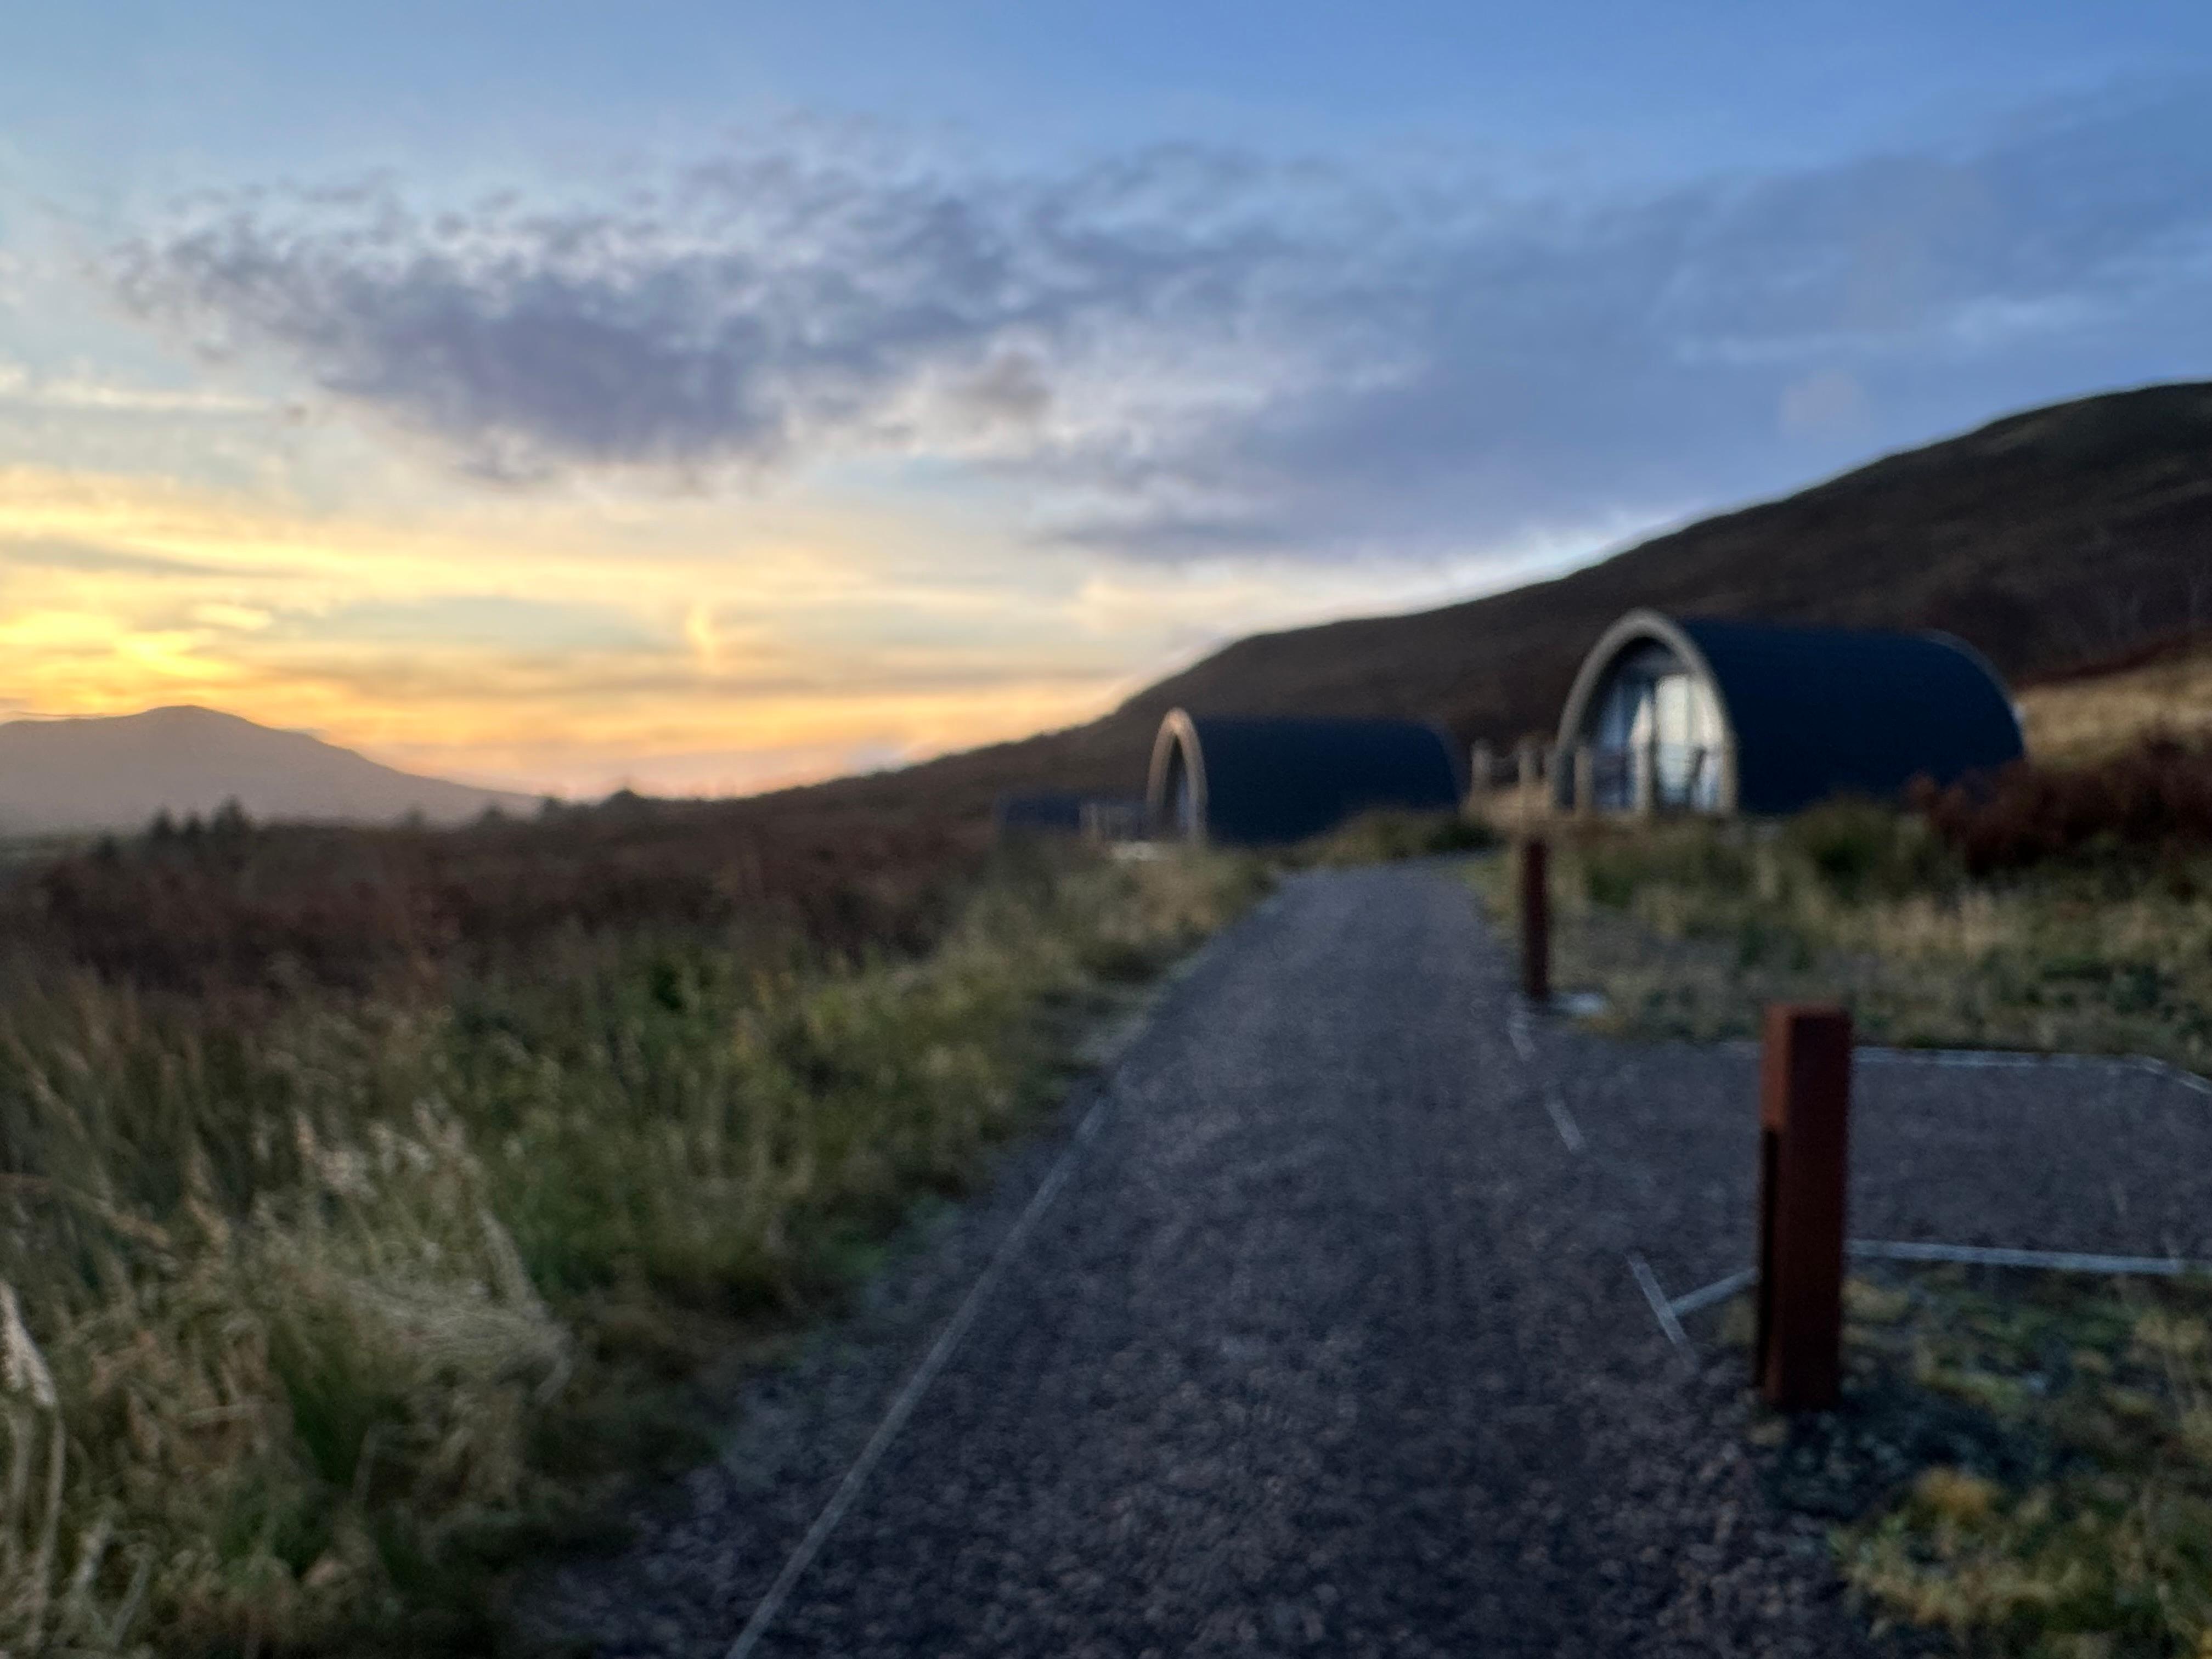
[1329,1342]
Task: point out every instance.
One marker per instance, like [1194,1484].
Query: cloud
[19,388]
[1183,353]
[57,553]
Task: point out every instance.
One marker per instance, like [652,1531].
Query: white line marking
[1517,1027]
[2063,1261]
[1661,1309]
[1719,1290]
[1996,1060]
[1560,1121]
[769,1605]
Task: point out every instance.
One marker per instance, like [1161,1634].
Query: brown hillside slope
[2047,539]
[2089,717]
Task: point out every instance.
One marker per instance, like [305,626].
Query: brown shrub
[2155,797]
[231,907]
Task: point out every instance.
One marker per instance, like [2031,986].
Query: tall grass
[314,1306]
[1690,927]
[2091,717]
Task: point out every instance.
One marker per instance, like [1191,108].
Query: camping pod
[1252,782]
[1725,716]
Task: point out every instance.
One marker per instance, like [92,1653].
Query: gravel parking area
[1329,1341]
[2104,1156]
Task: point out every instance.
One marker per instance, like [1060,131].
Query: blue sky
[712,395]
[118,91]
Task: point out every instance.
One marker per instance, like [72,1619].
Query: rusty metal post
[1804,1111]
[1535,920]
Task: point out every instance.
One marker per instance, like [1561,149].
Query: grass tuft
[2092,1531]
[1690,927]
[319,1304]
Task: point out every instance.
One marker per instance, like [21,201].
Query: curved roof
[1814,711]
[1268,780]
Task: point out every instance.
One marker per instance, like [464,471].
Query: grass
[1689,928]
[325,1294]
[2089,717]
[1382,836]
[2024,1462]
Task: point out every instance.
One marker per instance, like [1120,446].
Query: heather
[374,1202]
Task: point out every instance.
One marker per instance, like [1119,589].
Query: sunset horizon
[700,409]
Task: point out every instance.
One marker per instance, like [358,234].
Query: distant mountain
[2049,539]
[116,773]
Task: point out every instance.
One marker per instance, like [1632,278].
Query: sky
[707,397]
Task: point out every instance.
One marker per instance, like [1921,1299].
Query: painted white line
[1662,1309]
[2063,1261]
[1517,1027]
[2007,1059]
[1719,1290]
[1994,1060]
[1565,1124]
[901,1408]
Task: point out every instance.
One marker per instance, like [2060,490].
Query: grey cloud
[1182,352]
[761,309]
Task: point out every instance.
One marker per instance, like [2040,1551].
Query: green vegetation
[1380,837]
[2039,1453]
[1689,928]
[330,1284]
[2024,1461]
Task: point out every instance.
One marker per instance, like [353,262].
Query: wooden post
[1479,768]
[1535,920]
[1643,778]
[1585,780]
[1528,771]
[1804,1111]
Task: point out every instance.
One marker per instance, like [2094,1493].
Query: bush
[258,911]
[1857,848]
[2154,800]
[1384,837]
[1693,854]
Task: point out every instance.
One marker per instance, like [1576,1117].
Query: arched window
[1657,710]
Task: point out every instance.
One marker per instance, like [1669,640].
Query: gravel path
[1329,1343]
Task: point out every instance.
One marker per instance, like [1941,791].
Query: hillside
[2089,716]
[116,773]
[2052,540]
[2049,539]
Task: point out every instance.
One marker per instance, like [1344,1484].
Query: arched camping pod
[1722,716]
[1255,780]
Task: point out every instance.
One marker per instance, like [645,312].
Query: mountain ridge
[2047,539]
[116,772]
